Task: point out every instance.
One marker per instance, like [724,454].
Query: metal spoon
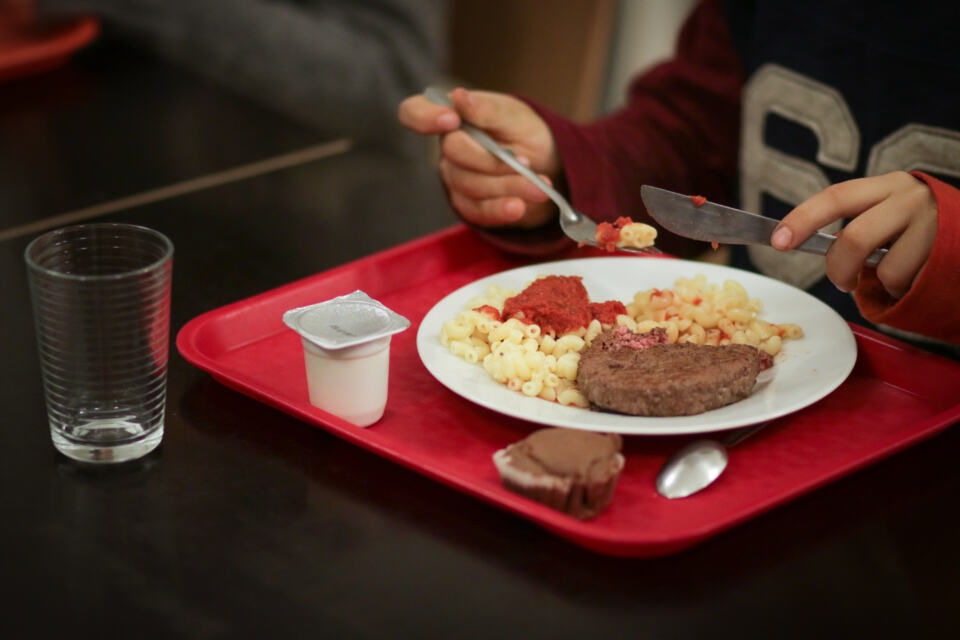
[697,465]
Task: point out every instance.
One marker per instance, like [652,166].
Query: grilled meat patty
[665,379]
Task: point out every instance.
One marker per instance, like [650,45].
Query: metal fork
[575,225]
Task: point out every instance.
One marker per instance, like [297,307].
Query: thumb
[496,113]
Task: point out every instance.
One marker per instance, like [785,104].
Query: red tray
[43,47]
[896,396]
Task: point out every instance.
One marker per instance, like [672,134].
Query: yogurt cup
[346,353]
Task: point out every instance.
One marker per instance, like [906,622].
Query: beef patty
[665,379]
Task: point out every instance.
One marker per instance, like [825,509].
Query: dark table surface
[249,523]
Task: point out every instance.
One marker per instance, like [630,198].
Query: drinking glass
[101,309]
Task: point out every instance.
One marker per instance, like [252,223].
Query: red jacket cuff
[930,306]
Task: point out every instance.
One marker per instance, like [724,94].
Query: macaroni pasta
[539,364]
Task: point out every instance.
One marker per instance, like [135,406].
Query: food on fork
[624,232]
[638,374]
[569,470]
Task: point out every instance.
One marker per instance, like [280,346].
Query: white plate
[805,371]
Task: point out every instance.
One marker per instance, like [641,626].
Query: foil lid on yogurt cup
[345,321]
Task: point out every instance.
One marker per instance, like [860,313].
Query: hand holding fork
[416,114]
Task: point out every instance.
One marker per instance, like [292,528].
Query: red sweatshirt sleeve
[679,130]
[930,307]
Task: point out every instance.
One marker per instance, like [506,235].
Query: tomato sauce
[608,234]
[559,304]
[607,312]
[492,312]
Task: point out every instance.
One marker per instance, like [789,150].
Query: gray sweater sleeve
[341,66]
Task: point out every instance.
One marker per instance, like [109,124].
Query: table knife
[713,222]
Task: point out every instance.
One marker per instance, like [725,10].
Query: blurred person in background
[339,66]
[814,113]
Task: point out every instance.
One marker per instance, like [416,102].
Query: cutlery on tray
[575,225]
[713,222]
[696,466]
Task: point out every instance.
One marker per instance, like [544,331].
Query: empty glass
[101,307]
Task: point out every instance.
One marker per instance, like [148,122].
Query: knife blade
[712,222]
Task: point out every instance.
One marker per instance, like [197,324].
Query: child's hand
[895,207]
[483,189]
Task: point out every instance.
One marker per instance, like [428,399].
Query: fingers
[419,114]
[874,228]
[502,212]
[481,186]
[498,114]
[466,152]
[841,200]
[899,268]
[893,207]
[492,212]
[485,190]
[425,117]
[490,200]
[503,117]
[905,259]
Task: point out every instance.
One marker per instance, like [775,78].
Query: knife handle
[819,243]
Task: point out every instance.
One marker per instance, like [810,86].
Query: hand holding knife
[713,222]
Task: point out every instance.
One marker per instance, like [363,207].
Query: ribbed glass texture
[101,306]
